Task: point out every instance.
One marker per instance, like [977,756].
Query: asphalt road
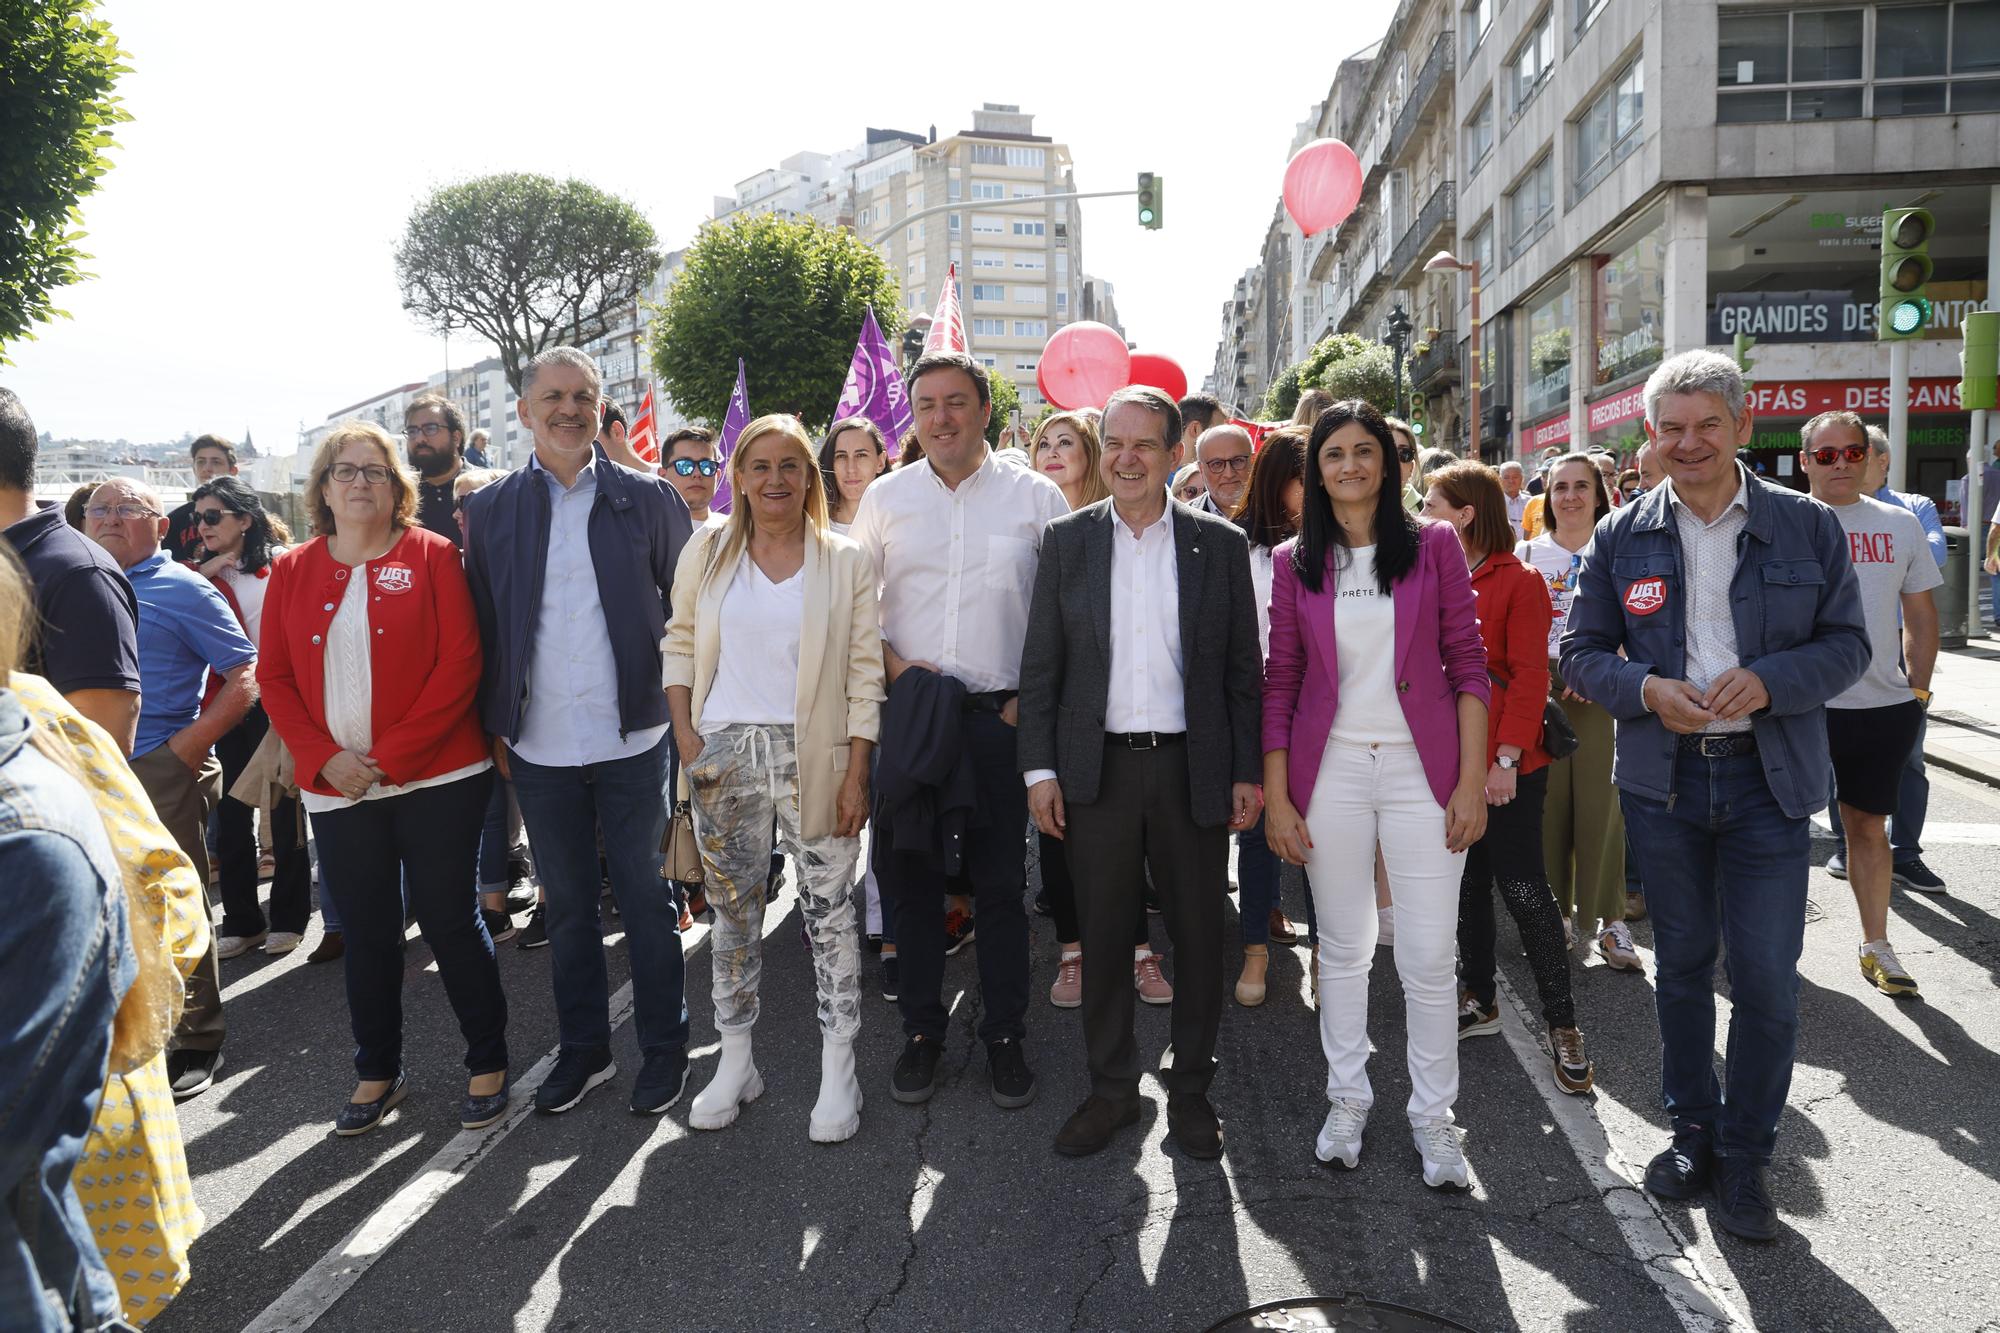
[960,1215]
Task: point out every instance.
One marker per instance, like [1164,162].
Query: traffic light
[1152,190]
[913,345]
[1979,363]
[1906,271]
[1744,342]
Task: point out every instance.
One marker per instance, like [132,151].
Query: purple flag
[874,387]
[733,422]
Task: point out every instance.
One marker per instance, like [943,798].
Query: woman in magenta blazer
[1375,694]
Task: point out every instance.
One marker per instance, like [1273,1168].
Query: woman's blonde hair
[735,536]
[1094,488]
[401,479]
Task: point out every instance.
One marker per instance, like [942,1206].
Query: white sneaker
[1615,943]
[232,946]
[1444,1160]
[283,941]
[1385,927]
[1340,1137]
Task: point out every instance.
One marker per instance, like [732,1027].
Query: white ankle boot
[837,1113]
[736,1084]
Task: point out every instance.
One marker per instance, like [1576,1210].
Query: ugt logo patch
[1646,596]
[393,578]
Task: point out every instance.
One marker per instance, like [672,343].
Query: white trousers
[1367,794]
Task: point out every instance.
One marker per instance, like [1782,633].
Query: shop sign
[1553,431]
[1831,316]
[1618,408]
[1806,398]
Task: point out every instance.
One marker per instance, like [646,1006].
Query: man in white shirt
[1140,746]
[954,538]
[691,466]
[1514,483]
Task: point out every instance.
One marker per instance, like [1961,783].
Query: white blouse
[757,661]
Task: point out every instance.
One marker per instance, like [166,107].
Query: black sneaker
[916,1071]
[661,1081]
[1742,1206]
[1476,1019]
[892,989]
[499,925]
[534,935]
[575,1074]
[1683,1170]
[873,943]
[1013,1081]
[1915,875]
[191,1073]
[959,930]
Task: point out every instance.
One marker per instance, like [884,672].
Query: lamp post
[1446,262]
[1398,324]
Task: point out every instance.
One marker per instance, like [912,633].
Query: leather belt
[1143,740]
[1722,745]
[990,702]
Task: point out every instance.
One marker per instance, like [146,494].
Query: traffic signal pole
[1899,416]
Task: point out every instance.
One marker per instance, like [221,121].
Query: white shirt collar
[1741,500]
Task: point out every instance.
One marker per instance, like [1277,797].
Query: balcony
[1438,217]
[1425,102]
[1319,254]
[1432,367]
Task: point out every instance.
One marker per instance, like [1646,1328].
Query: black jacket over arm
[1066,660]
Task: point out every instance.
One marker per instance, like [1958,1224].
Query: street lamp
[1398,339]
[1446,262]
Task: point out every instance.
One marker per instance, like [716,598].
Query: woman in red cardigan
[373,659]
[1514,615]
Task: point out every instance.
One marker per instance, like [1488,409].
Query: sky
[243,240]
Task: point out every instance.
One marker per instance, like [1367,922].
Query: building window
[1036,294]
[991,363]
[917,301]
[1584,13]
[1609,128]
[1859,61]
[953,190]
[1479,250]
[1031,328]
[1478,17]
[1028,192]
[995,259]
[988,190]
[1027,365]
[1479,134]
[1062,302]
[1530,205]
[985,224]
[954,223]
[1038,262]
[990,328]
[998,155]
[1031,228]
[1528,68]
[988,291]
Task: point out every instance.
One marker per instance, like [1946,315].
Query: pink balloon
[1322,185]
[1084,364]
[1161,372]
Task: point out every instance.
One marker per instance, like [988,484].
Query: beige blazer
[841,681]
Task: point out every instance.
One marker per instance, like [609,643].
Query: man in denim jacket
[1715,618]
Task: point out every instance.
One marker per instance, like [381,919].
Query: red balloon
[1322,185]
[1084,364]
[1043,384]
[1161,372]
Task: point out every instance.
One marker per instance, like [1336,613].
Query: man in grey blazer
[1140,683]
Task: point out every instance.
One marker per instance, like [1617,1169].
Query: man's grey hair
[561,356]
[1878,439]
[1218,432]
[1851,420]
[131,486]
[1511,466]
[1699,371]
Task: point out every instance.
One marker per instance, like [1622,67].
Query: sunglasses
[1406,454]
[209,518]
[1829,455]
[687,467]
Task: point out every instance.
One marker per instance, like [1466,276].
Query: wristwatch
[1922,696]
[1507,761]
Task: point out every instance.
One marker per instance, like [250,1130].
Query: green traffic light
[1908,316]
[1146,216]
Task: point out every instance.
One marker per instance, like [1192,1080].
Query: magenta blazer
[1439,656]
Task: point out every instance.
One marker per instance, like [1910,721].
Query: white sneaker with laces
[282,941]
[1444,1159]
[234,946]
[1340,1137]
[1615,943]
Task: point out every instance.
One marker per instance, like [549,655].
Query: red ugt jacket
[424,661]
[1514,616]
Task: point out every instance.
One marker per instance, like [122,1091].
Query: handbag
[1558,736]
[682,863]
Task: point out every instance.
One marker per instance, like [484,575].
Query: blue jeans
[563,809]
[497,837]
[1913,802]
[1724,864]
[1259,887]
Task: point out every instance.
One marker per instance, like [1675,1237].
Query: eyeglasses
[425,431]
[1219,465]
[1830,454]
[375,473]
[209,518]
[687,467]
[119,511]
[1405,454]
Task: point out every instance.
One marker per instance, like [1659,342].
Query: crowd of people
[1399,681]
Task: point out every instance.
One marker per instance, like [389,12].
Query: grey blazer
[1066,660]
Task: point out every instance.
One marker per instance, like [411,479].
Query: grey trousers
[182,799]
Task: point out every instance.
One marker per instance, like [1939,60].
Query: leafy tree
[786,295]
[1006,402]
[1282,397]
[58,64]
[525,261]
[1350,366]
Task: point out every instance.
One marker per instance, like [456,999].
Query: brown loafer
[330,947]
[1094,1125]
[1282,929]
[1192,1123]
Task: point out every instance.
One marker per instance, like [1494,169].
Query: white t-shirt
[1260,584]
[248,589]
[757,667]
[1364,635]
[1890,558]
[1558,566]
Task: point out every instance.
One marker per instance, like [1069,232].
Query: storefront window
[1631,288]
[1551,319]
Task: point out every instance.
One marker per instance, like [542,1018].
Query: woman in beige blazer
[775,686]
